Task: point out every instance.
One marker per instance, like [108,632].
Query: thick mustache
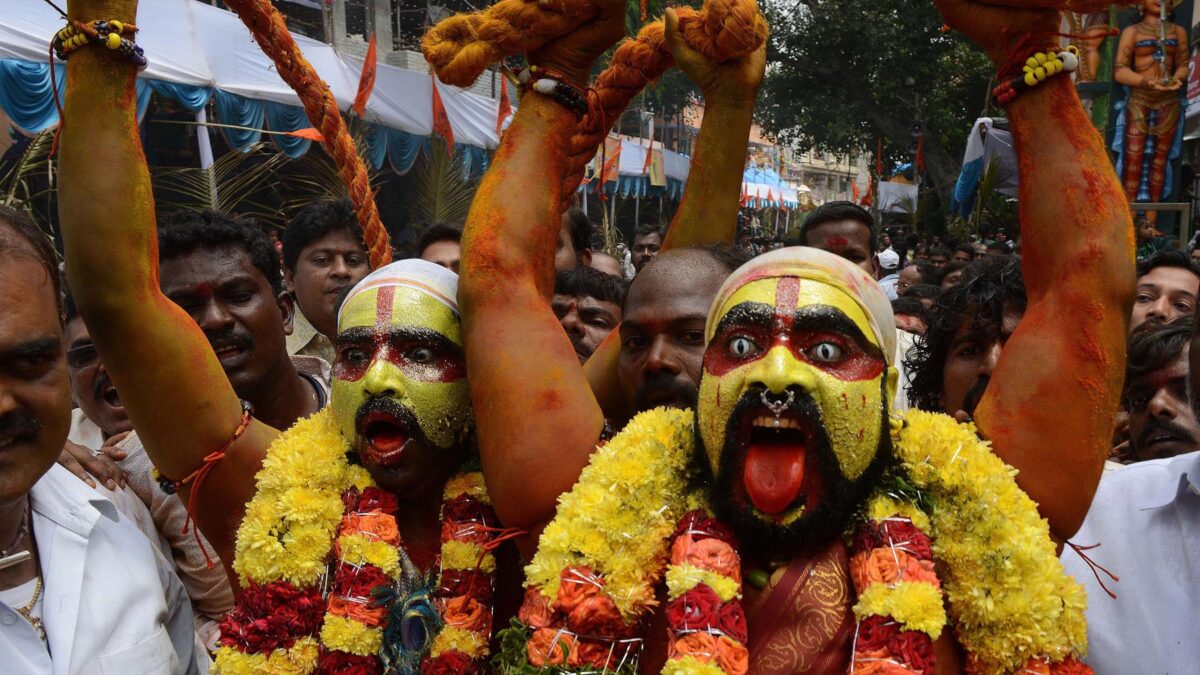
[382,404]
[19,424]
[230,337]
[1159,427]
[975,395]
[660,383]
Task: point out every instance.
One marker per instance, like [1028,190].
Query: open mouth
[385,436]
[779,472]
[111,397]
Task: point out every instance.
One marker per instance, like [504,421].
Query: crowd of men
[270,315]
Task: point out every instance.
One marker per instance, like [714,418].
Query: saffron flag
[869,199]
[366,81]
[879,159]
[441,121]
[505,108]
[744,198]
[307,133]
[854,190]
[649,158]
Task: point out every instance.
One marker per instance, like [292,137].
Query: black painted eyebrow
[753,313]
[812,317]
[415,333]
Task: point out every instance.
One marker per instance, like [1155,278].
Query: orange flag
[870,196]
[649,158]
[441,121]
[770,198]
[854,189]
[879,159]
[307,133]
[744,198]
[366,81]
[505,108]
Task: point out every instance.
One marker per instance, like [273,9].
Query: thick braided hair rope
[267,26]
[461,47]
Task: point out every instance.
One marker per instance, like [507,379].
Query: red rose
[598,616]
[695,610]
[904,535]
[352,582]
[474,583]
[577,584]
[465,530]
[703,526]
[913,648]
[731,620]
[1070,666]
[375,499]
[875,632]
[596,653]
[465,508]
[272,616]
[535,611]
[867,537]
[345,663]
[450,663]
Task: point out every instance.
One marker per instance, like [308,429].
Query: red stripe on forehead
[787,295]
[383,307]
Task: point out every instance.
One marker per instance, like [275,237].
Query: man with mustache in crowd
[80,588]
[1142,580]
[323,256]
[588,304]
[647,242]
[1161,422]
[803,326]
[225,274]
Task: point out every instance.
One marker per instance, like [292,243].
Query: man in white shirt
[1146,520]
[81,590]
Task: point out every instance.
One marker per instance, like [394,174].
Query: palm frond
[440,191]
[21,184]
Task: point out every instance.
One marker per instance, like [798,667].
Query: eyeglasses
[82,356]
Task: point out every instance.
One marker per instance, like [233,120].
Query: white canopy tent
[195,44]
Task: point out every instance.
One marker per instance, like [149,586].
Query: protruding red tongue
[384,441]
[774,474]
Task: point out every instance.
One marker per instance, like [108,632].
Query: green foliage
[837,80]
[439,191]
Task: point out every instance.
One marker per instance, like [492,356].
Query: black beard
[841,497]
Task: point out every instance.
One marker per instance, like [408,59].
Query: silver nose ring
[775,406]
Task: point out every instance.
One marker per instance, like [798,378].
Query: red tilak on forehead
[787,294]
[383,307]
[836,242]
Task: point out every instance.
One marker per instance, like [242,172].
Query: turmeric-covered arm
[1052,422]
[171,383]
[707,213]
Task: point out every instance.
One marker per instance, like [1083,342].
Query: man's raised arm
[171,384]
[1049,408]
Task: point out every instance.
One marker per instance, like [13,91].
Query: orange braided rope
[461,47]
[267,26]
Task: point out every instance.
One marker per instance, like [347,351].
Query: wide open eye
[826,352]
[742,347]
[422,355]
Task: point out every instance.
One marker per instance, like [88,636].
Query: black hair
[647,229]
[966,248]
[835,212]
[988,288]
[314,221]
[1154,346]
[1171,257]
[434,233]
[922,291]
[940,251]
[582,281]
[182,232]
[908,306]
[580,229]
[927,271]
[949,268]
[38,247]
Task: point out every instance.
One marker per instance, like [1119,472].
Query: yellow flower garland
[1009,597]
[618,517]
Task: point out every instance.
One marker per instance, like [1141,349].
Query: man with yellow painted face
[793,408]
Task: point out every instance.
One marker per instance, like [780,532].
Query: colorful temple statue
[1152,61]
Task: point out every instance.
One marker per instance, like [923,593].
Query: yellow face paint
[785,332]
[401,344]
